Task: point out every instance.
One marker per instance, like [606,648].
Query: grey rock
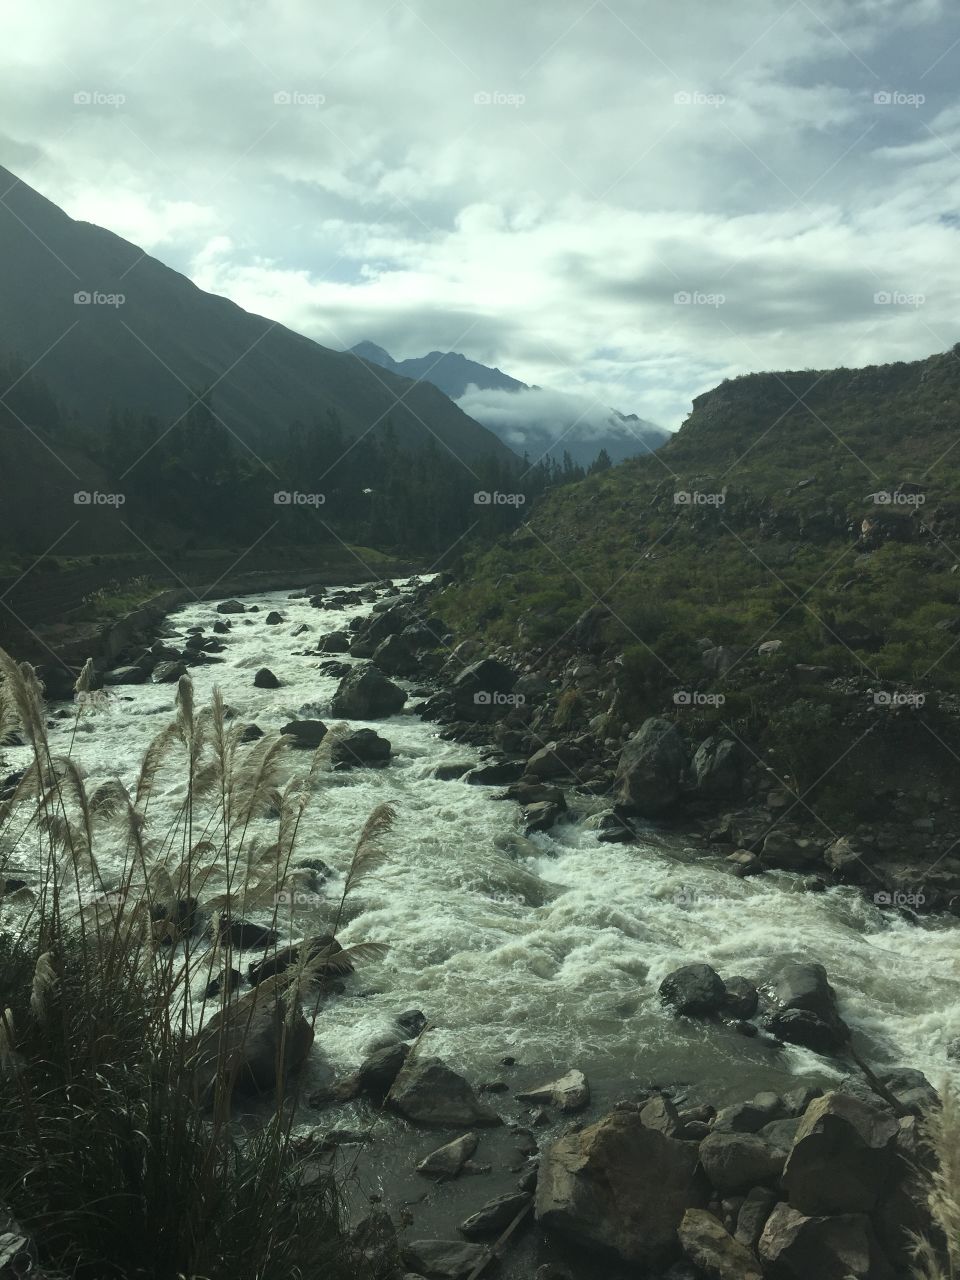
[443,1259]
[712,1249]
[569,1092]
[694,990]
[365,693]
[447,1161]
[735,1162]
[620,1187]
[428,1092]
[796,1247]
[306,734]
[651,768]
[842,1156]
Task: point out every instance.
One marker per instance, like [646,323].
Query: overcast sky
[530,184]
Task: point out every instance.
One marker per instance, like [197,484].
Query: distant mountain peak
[529,419]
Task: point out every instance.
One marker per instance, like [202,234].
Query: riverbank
[548,948]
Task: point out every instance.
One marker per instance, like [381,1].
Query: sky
[625,201]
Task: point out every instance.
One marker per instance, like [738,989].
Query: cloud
[536,419]
[545,227]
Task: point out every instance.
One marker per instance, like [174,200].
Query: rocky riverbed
[532,923]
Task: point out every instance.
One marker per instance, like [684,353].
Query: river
[548,951]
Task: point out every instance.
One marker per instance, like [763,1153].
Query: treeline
[312,485]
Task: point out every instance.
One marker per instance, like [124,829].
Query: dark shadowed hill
[108,325]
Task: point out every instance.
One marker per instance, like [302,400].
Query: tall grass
[119,1149]
[937,1254]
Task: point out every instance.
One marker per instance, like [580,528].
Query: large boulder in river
[620,1187]
[483,690]
[695,990]
[365,693]
[796,1247]
[716,767]
[651,768]
[802,1007]
[231,606]
[307,734]
[843,1156]
[265,679]
[361,747]
[428,1092]
[168,672]
[395,657]
[252,1042]
[334,642]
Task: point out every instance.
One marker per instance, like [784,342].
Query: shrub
[118,1150]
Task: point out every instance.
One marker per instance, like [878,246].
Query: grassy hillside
[766,519]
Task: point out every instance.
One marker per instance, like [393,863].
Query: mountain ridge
[526,417]
[148,337]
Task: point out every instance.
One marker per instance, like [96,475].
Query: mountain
[532,420]
[106,324]
[448,370]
